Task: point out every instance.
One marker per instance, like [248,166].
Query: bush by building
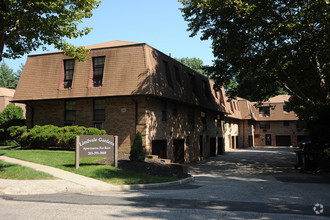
[137,153]
[50,136]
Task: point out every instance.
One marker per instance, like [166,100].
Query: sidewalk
[65,182]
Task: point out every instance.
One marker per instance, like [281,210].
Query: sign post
[97,146]
[77,152]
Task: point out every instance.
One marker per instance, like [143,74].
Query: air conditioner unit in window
[99,125]
[68,123]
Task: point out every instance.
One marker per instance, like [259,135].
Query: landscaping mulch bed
[150,167]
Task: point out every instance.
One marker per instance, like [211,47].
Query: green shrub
[11,143]
[137,153]
[10,116]
[94,131]
[15,133]
[48,136]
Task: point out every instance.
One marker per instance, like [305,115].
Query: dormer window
[231,106]
[168,74]
[68,73]
[98,68]
[264,111]
[222,101]
[286,109]
[177,75]
[206,89]
[193,84]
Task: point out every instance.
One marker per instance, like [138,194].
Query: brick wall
[277,128]
[120,116]
[178,127]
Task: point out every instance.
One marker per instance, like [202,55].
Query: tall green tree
[194,63]
[26,25]
[268,45]
[8,79]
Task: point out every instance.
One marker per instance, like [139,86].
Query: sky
[159,23]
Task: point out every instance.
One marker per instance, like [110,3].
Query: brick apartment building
[276,125]
[266,124]
[127,87]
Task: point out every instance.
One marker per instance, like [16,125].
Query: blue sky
[158,23]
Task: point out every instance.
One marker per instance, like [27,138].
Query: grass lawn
[15,171]
[66,160]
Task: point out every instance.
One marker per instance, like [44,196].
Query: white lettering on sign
[106,141]
[95,140]
[96,148]
[87,141]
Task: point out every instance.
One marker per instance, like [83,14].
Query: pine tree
[7,77]
[137,153]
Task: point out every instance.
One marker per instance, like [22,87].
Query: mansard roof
[130,69]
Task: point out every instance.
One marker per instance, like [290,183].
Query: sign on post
[97,146]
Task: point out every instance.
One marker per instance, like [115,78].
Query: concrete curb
[86,189]
[116,188]
[154,185]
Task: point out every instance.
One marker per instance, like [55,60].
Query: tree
[194,63]
[266,46]
[10,116]
[137,153]
[9,79]
[26,25]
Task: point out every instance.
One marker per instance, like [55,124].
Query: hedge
[50,136]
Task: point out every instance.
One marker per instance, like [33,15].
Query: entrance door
[220,146]
[159,148]
[250,141]
[283,140]
[213,147]
[201,154]
[233,142]
[178,150]
[268,139]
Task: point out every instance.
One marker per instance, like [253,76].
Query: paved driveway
[257,183]
[250,161]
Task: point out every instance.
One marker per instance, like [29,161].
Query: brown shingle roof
[278,99]
[129,69]
[116,43]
